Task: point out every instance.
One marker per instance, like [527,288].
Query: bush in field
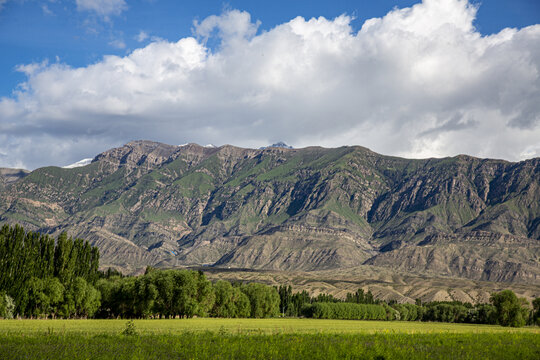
[510,310]
[130,329]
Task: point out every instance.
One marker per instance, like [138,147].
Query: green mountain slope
[148,203]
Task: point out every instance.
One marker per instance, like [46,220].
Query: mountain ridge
[147,203]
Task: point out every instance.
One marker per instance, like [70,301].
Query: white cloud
[418,82]
[103,8]
[117,43]
[33,68]
[142,36]
[46,10]
[232,25]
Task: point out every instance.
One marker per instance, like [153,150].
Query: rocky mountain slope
[148,203]
[8,176]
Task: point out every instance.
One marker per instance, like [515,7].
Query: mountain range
[279,208]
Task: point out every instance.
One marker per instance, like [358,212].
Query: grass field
[247,326]
[262,339]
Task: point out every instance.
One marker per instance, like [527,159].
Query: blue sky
[51,39]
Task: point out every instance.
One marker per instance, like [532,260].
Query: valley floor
[204,338]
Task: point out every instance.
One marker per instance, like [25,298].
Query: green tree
[299,300]
[54,292]
[109,289]
[34,270]
[205,294]
[264,300]
[184,294]
[61,258]
[536,311]
[192,294]
[81,299]
[243,307]
[224,305]
[482,314]
[126,297]
[146,294]
[230,302]
[285,297]
[7,306]
[509,309]
[164,284]
[37,300]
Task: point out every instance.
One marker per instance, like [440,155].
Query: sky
[416,79]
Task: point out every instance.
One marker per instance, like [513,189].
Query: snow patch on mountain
[80,163]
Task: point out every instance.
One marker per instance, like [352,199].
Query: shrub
[130,329]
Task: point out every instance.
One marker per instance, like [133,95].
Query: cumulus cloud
[418,82]
[103,8]
[230,26]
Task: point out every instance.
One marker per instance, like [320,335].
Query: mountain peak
[279,144]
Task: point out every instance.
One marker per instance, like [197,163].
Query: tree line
[183,293]
[41,277]
[505,308]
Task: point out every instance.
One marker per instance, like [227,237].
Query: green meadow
[248,326]
[203,338]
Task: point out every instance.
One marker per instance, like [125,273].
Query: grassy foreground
[262,339]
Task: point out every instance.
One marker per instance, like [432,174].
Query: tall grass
[204,338]
[248,326]
[220,345]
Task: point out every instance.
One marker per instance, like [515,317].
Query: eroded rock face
[9,176]
[148,203]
